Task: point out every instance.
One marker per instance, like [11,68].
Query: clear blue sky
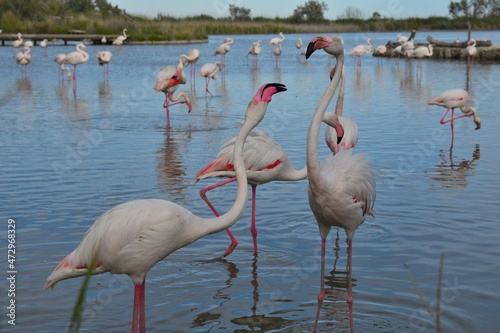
[283,8]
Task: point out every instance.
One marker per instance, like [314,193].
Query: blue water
[68,154]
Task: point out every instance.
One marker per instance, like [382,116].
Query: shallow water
[68,155]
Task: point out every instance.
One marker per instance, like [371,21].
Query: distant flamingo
[255,51]
[471,51]
[223,49]
[402,39]
[380,50]
[60,61]
[120,39]
[452,99]
[398,50]
[277,52]
[104,57]
[77,57]
[420,52]
[28,43]
[132,237]
[191,59]
[342,187]
[23,58]
[298,45]
[408,46]
[17,43]
[43,44]
[361,50]
[103,40]
[265,162]
[277,40]
[210,71]
[168,80]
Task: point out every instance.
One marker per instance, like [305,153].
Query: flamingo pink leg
[253,228]
[206,86]
[321,295]
[139,308]
[74,72]
[203,195]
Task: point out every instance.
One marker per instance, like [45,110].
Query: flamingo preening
[255,51]
[452,99]
[277,49]
[277,40]
[104,57]
[471,51]
[341,187]
[191,59]
[132,237]
[59,59]
[23,58]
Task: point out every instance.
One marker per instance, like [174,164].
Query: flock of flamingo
[132,237]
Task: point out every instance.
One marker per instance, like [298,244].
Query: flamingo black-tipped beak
[278,86]
[310,49]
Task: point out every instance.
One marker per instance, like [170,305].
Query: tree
[311,11]
[239,13]
[376,15]
[352,13]
[473,8]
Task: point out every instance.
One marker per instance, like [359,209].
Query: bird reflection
[170,167]
[24,87]
[104,93]
[451,174]
[205,318]
[338,283]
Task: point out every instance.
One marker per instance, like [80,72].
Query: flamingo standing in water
[398,50]
[342,187]
[191,59]
[23,58]
[120,39]
[452,99]
[277,52]
[361,50]
[255,51]
[103,40]
[265,162]
[167,81]
[298,45]
[223,49]
[277,40]
[43,44]
[132,237]
[77,57]
[18,42]
[104,57]
[210,71]
[59,59]
[471,51]
[420,52]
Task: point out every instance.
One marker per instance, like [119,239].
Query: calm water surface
[68,155]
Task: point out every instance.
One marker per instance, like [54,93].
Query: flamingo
[175,99]
[471,50]
[420,52]
[23,58]
[361,50]
[103,40]
[342,187]
[255,51]
[77,57]
[120,39]
[223,49]
[210,71]
[277,40]
[277,52]
[298,45]
[408,46]
[401,39]
[191,59]
[59,59]
[398,50]
[380,50]
[28,43]
[168,80]
[452,99]
[43,44]
[265,162]
[104,57]
[17,43]
[132,237]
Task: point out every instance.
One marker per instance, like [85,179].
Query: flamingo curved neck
[340,100]
[314,128]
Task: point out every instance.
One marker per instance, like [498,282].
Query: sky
[283,8]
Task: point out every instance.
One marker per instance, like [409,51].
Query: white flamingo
[210,71]
[223,49]
[120,39]
[471,51]
[104,57]
[191,59]
[77,57]
[23,58]
[132,237]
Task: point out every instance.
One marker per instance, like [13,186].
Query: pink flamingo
[77,57]
[43,44]
[471,51]
[191,59]
[398,50]
[380,50]
[223,49]
[59,59]
[23,58]
[420,52]
[210,71]
[255,51]
[167,81]
[277,40]
[298,45]
[361,50]
[342,187]
[277,52]
[104,57]
[19,42]
[176,100]
[132,237]
[452,99]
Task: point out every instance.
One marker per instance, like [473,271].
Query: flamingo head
[331,45]
[470,41]
[266,92]
[477,120]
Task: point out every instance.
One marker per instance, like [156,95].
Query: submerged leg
[253,228]
[321,295]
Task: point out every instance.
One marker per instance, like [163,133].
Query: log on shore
[435,42]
